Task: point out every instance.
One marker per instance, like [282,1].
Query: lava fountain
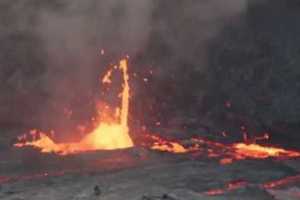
[108,134]
[112,132]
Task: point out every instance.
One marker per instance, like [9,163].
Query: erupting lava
[106,136]
[114,134]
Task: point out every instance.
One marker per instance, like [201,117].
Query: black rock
[97,190]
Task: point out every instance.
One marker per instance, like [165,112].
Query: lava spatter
[107,135]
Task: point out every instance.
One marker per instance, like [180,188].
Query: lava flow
[168,146]
[261,152]
[227,153]
[108,134]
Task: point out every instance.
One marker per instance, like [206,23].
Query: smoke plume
[56,45]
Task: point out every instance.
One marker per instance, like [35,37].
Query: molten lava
[227,153]
[106,135]
[261,152]
[161,144]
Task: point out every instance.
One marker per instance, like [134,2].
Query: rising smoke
[55,45]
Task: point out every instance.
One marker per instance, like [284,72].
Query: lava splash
[107,135]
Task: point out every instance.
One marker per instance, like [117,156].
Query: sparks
[107,77]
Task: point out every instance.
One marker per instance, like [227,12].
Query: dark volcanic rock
[254,65]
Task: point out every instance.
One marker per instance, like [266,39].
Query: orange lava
[230,186]
[161,144]
[260,152]
[170,147]
[281,182]
[106,136]
[235,185]
[227,153]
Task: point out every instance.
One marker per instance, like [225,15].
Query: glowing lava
[227,153]
[161,144]
[106,136]
[260,152]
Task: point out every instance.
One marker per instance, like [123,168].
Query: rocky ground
[147,175]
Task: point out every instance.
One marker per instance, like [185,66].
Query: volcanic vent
[109,133]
